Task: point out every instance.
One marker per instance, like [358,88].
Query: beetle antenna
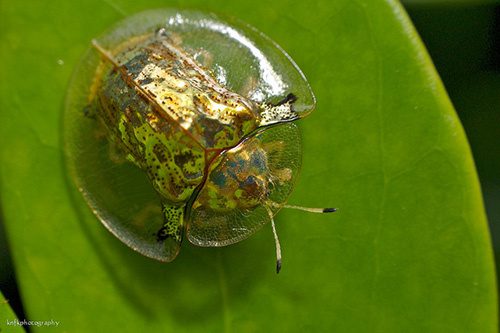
[311,210]
[276,240]
[305,209]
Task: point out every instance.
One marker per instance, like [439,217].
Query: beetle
[221,162]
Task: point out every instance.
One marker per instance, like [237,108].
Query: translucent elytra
[239,57]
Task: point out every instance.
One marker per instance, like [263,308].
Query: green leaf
[8,319]
[408,250]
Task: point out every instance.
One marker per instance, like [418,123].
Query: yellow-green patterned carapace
[180,124]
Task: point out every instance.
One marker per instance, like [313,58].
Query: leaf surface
[408,250]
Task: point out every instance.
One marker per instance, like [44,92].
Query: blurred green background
[463,39]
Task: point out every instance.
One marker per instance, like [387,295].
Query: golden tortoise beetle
[199,108]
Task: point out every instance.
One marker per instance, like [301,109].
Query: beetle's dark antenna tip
[329,210]
[278,266]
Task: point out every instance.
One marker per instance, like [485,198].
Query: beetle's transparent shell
[179,123]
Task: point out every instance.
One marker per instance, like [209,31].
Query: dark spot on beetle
[162,234]
[145,81]
[89,112]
